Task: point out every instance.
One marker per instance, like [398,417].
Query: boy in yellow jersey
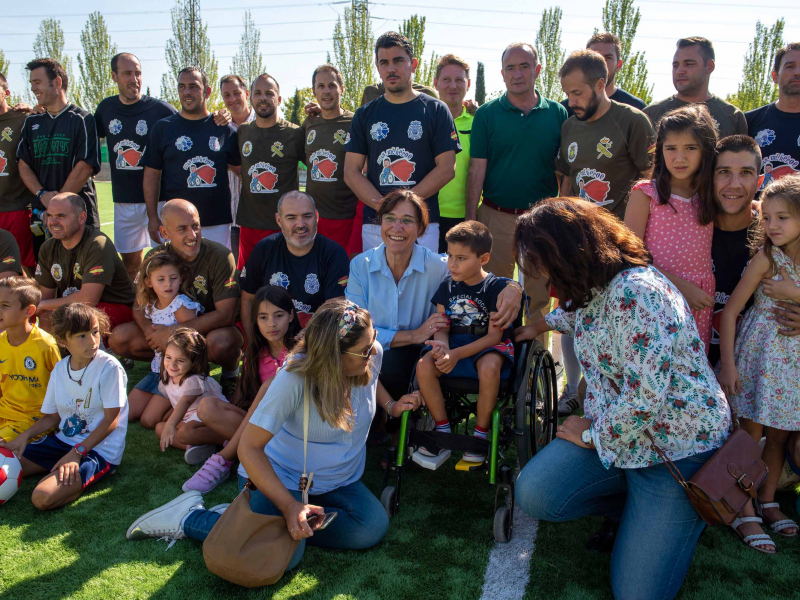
[27,356]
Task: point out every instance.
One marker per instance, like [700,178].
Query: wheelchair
[526,415]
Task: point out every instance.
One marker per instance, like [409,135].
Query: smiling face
[298,221]
[520,70]
[735,181]
[235,97]
[395,68]
[327,90]
[273,321]
[780,222]
[128,78]
[176,363]
[265,97]
[84,345]
[63,220]
[47,92]
[192,93]
[400,228]
[354,366]
[11,311]
[182,227]
[690,73]
[165,282]
[452,85]
[682,155]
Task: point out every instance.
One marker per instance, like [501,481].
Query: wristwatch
[81,449]
[586,436]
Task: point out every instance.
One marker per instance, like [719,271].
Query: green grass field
[436,548]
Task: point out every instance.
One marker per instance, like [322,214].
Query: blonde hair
[313,360]
[145,296]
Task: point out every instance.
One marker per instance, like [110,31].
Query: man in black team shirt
[188,156]
[776,126]
[58,151]
[608,45]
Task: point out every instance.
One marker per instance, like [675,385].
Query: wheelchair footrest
[431,462]
[434,440]
[463,465]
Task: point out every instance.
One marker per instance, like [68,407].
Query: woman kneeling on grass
[344,391]
[646,372]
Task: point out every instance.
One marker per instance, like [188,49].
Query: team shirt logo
[347,139]
[323,165]
[277,149]
[312,283]
[9,260]
[415,130]
[213,143]
[572,151]
[312,135]
[399,170]
[281,279]
[201,172]
[247,148]
[230,283]
[263,178]
[341,137]
[604,148]
[29,363]
[141,127]
[38,270]
[200,284]
[3,163]
[343,281]
[35,127]
[183,143]
[7,133]
[379,131]
[114,126]
[128,155]
[98,270]
[76,271]
[593,187]
[56,272]
[776,166]
[765,137]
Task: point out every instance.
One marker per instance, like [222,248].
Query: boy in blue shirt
[473,347]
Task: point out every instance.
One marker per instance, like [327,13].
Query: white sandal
[781,524]
[757,541]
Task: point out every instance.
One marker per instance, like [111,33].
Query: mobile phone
[320,522]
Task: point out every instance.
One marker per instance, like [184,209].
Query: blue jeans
[362,521]
[659,527]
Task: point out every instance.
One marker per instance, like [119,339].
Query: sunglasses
[368,352]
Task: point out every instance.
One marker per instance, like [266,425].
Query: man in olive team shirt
[9,255]
[605,146]
[81,264]
[692,65]
[270,148]
[325,135]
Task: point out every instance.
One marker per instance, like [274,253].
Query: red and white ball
[10,474]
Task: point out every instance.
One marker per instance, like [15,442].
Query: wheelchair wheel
[502,525]
[536,414]
[389,500]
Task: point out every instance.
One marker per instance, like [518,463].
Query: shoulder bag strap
[307,477]
[671,467]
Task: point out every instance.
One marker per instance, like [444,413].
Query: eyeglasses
[366,354]
[405,221]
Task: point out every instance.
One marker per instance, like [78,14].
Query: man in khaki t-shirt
[9,255]
[605,146]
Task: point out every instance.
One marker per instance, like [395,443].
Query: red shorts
[248,238]
[117,313]
[18,222]
[356,245]
[338,230]
[240,327]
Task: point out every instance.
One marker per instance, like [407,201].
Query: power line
[222,44]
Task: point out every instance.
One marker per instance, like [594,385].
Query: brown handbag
[727,482]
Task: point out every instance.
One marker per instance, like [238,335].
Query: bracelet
[388,407]
[514,284]
[40,193]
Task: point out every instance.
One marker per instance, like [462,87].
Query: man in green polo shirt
[452,84]
[515,139]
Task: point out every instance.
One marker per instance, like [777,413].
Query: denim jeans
[659,527]
[362,521]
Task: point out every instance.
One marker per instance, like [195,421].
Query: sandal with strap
[757,541]
[779,525]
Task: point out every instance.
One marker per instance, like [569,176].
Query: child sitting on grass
[86,399]
[473,347]
[28,356]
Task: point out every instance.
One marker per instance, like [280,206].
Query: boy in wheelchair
[472,347]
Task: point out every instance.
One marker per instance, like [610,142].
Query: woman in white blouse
[646,373]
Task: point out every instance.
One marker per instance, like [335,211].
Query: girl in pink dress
[674,212]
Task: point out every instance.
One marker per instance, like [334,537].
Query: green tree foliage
[414,29]
[178,53]
[757,87]
[353,51]
[248,62]
[95,66]
[49,43]
[480,85]
[622,19]
[293,108]
[5,65]
[551,55]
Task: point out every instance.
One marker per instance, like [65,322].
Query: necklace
[80,380]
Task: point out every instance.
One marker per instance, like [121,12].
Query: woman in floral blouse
[646,371]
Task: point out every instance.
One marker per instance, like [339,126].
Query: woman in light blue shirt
[395,283]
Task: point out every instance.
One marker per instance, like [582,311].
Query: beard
[590,109]
[265,111]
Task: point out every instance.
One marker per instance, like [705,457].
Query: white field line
[104,224]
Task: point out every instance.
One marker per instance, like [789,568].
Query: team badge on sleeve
[98,270]
[141,127]
[183,143]
[201,172]
[312,135]
[453,136]
[38,270]
[231,283]
[263,178]
[213,143]
[343,281]
[114,126]
[247,148]
[9,260]
[572,151]
[379,131]
[415,131]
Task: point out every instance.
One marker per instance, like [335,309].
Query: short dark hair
[739,143]
[232,79]
[606,38]
[116,57]
[395,197]
[706,47]
[451,59]
[203,76]
[77,202]
[473,234]
[3,82]
[523,45]
[390,39]
[590,63]
[75,318]
[265,76]
[194,346]
[53,69]
[782,52]
[24,288]
[329,69]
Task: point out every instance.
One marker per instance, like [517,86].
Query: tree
[551,55]
[293,107]
[621,19]
[5,65]
[95,69]
[49,43]
[757,87]
[353,51]
[480,85]
[248,62]
[414,30]
[189,33]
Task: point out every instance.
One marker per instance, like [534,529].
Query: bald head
[66,216]
[178,208]
[297,218]
[180,224]
[75,202]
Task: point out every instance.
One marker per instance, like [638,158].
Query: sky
[296,36]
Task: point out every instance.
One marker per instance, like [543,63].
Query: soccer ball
[10,474]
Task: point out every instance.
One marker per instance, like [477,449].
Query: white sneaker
[197,455]
[474,458]
[165,521]
[567,403]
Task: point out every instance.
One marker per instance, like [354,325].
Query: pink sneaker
[213,472]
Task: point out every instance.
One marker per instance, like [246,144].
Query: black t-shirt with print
[778,134]
[193,157]
[401,143]
[471,305]
[126,127]
[311,279]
